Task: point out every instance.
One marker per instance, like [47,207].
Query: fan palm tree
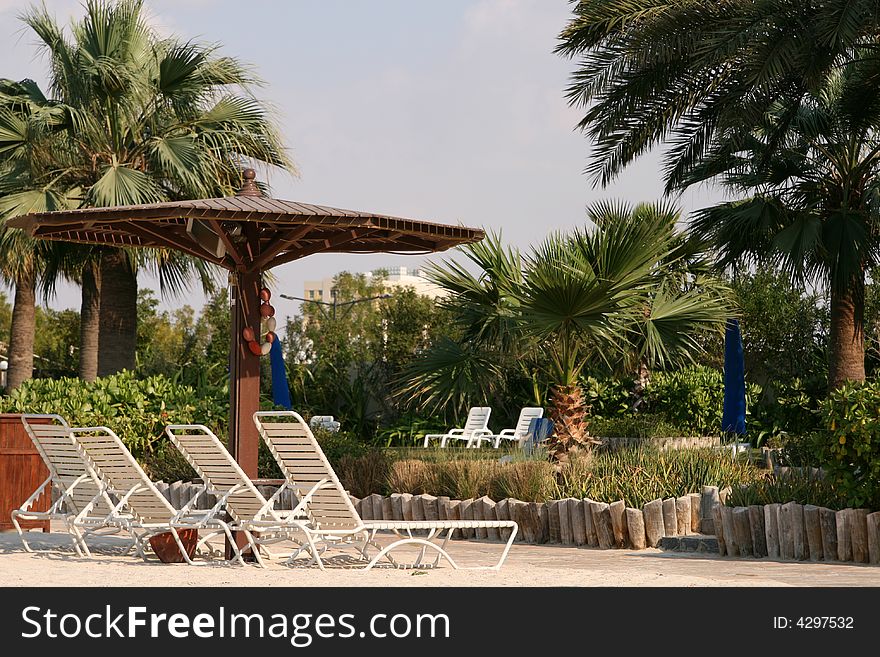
[146,120]
[728,87]
[28,183]
[602,294]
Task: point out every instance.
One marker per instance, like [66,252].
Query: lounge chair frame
[327,516]
[476,427]
[82,503]
[142,510]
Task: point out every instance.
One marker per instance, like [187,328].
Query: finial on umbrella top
[249,185]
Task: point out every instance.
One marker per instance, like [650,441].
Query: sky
[448,111]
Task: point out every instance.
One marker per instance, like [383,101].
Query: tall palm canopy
[134,118]
[774,98]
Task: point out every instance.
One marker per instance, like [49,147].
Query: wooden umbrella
[247,234]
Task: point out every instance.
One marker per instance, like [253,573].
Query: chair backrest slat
[219,470]
[478,418]
[526,416]
[54,440]
[303,462]
[116,465]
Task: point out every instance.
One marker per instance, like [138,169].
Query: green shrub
[691,398]
[636,475]
[408,431]
[851,447]
[801,487]
[137,409]
[641,425]
[799,451]
[641,474]
[607,398]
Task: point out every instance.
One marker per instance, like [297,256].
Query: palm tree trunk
[21,334]
[90,322]
[569,414]
[847,335]
[117,337]
[640,383]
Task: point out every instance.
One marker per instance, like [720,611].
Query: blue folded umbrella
[733,419]
[280,389]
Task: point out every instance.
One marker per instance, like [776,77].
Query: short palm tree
[598,294]
[146,119]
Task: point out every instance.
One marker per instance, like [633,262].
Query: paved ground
[527,565]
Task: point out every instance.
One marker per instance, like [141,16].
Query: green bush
[408,431]
[137,409]
[851,447]
[607,398]
[801,487]
[799,450]
[641,425]
[636,475]
[641,474]
[691,398]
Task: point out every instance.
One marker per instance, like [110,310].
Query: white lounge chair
[475,427]
[251,512]
[82,504]
[327,516]
[327,422]
[519,433]
[141,509]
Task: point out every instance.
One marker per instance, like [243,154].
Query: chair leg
[27,548]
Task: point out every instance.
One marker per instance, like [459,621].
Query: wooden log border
[787,532]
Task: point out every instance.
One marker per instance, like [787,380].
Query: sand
[55,564]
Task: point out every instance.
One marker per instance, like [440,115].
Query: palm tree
[730,88]
[602,294]
[28,183]
[813,206]
[146,119]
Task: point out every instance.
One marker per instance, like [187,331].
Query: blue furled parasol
[733,420]
[280,389]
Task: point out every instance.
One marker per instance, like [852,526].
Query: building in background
[397,277]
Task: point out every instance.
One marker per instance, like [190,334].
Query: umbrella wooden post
[244,378]
[244,372]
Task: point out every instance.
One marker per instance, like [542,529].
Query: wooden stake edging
[695,512]
[857,524]
[788,531]
[670,521]
[828,525]
[653,512]
[742,530]
[844,547]
[578,521]
[592,539]
[719,532]
[759,535]
[873,527]
[635,524]
[683,515]
[814,532]
[771,530]
[602,520]
[617,511]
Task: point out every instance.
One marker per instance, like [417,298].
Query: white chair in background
[519,433]
[324,422]
[476,426]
